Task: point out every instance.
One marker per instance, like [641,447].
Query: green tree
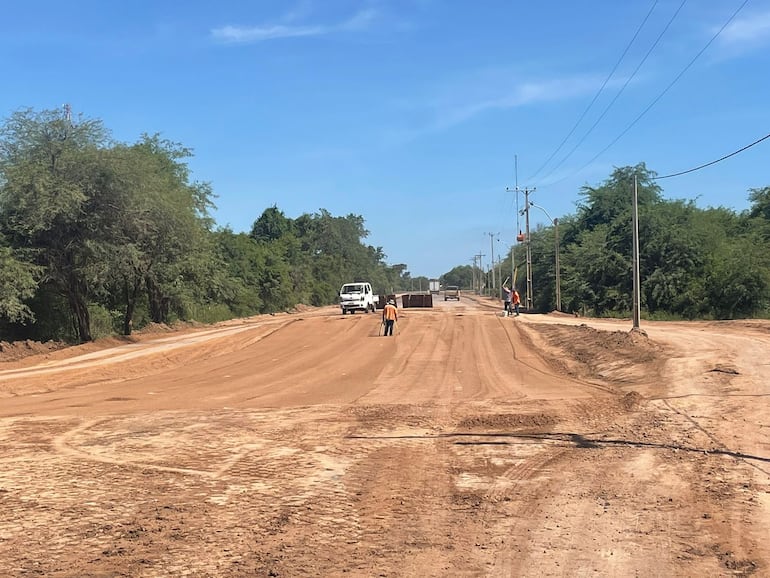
[50,177]
[760,203]
[737,279]
[244,260]
[155,227]
[271,225]
[461,276]
[613,199]
[18,282]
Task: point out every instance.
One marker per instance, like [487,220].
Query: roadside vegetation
[99,237]
[695,263]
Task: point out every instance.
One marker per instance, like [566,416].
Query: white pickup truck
[356,297]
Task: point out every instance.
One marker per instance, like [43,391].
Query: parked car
[356,297]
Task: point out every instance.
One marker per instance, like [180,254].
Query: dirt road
[466,445]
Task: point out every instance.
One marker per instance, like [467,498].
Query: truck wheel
[344,311]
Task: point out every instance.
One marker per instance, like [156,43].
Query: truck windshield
[352,289]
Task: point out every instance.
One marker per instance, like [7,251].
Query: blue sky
[412,113]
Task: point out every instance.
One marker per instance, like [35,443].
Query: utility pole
[492,244]
[480,277]
[530,293]
[513,267]
[499,290]
[558,269]
[636,278]
[556,253]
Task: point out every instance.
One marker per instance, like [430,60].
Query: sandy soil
[468,444]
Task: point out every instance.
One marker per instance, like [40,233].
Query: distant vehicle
[451,292]
[356,297]
[434,286]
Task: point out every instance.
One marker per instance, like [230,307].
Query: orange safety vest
[516,298]
[390,312]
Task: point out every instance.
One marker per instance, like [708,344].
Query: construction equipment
[416,300]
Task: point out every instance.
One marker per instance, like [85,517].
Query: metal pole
[636,289]
[481,276]
[556,254]
[500,275]
[513,267]
[558,274]
[530,296]
[492,244]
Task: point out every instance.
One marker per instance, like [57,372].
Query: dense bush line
[99,237]
[708,263]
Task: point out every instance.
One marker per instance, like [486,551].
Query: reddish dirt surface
[468,444]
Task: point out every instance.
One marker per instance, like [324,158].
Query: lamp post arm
[555,223]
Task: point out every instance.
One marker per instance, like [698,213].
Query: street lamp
[556,253]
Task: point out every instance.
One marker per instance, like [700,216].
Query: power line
[620,92]
[596,96]
[661,95]
[719,160]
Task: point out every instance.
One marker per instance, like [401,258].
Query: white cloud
[301,11]
[480,93]
[514,96]
[251,34]
[746,33]
[360,20]
[245,35]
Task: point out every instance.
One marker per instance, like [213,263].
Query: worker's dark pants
[388,327]
[507,308]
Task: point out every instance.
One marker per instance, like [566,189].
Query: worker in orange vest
[389,317]
[516,299]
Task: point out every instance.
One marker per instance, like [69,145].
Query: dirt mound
[616,356]
[301,308]
[507,421]
[633,400]
[21,349]
[556,313]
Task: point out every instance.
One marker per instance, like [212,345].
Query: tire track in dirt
[132,351]
[404,487]
[429,478]
[63,445]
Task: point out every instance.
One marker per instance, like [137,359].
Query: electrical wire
[598,92]
[622,89]
[719,160]
[661,95]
